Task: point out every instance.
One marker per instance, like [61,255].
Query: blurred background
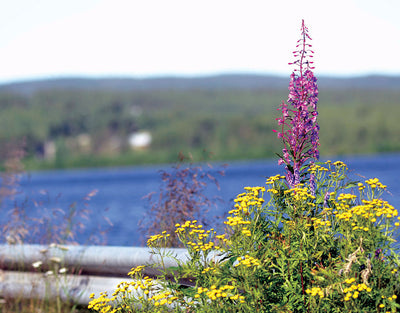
[100,83]
[111,84]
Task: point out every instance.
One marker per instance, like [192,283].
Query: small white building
[49,150]
[140,140]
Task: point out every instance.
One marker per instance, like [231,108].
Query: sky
[146,38]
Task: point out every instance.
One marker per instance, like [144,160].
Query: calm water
[120,191]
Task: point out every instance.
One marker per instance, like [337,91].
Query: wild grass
[181,197]
[28,220]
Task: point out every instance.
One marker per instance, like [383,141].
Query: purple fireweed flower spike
[312,184]
[326,198]
[300,130]
[377,253]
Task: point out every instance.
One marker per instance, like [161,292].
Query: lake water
[120,191]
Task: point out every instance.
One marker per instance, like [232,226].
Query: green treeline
[63,127]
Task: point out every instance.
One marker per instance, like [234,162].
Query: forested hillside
[103,122]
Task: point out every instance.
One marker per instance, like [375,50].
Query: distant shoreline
[220,81]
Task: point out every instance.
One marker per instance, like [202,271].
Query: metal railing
[33,271]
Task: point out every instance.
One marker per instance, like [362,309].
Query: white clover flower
[49,273]
[37,264]
[64,248]
[55,259]
[63,270]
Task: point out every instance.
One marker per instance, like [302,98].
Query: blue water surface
[120,191]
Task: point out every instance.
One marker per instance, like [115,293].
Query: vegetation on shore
[77,127]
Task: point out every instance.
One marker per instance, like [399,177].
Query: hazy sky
[53,38]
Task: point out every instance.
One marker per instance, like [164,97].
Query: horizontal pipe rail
[69,288]
[100,269]
[95,260]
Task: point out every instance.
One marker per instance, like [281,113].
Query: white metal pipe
[101,260]
[69,288]
[105,264]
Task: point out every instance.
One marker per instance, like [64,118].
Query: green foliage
[329,252]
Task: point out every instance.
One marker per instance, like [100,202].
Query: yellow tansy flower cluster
[336,172]
[300,193]
[136,270]
[382,207]
[393,297]
[353,290]
[202,246]
[346,197]
[339,165]
[247,261]
[221,238]
[191,225]
[271,181]
[196,237]
[250,198]
[246,232]
[315,291]
[155,239]
[122,288]
[163,298]
[317,222]
[317,168]
[361,186]
[355,227]
[209,269]
[102,303]
[374,183]
[236,220]
[215,293]
[369,209]
[244,204]
[145,284]
[291,224]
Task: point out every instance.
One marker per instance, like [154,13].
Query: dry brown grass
[181,198]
